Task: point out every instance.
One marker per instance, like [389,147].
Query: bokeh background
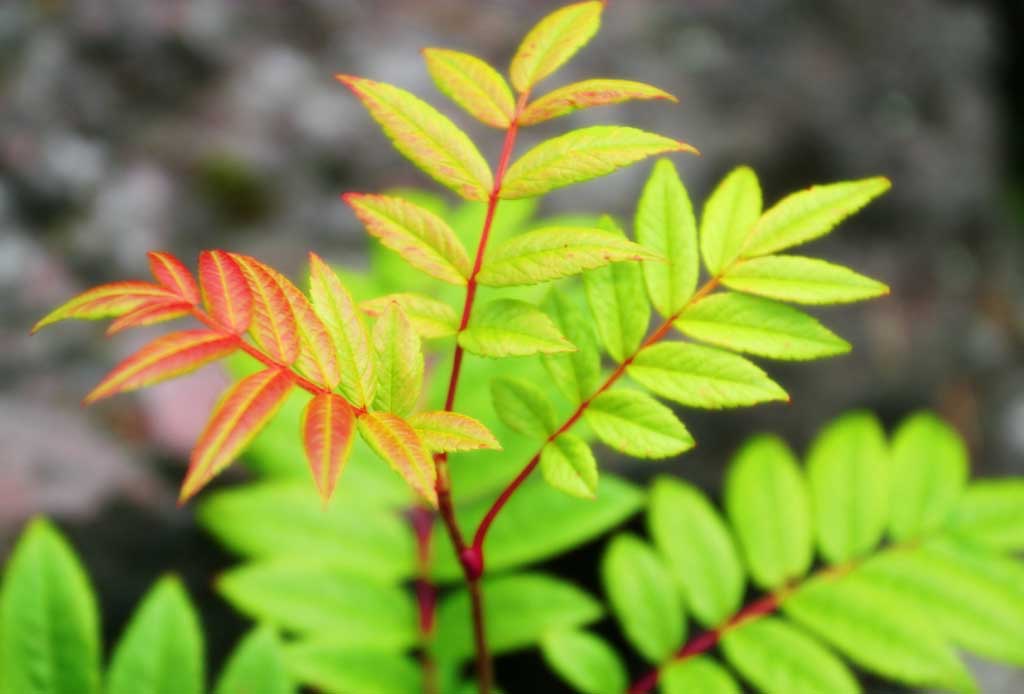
[129,125]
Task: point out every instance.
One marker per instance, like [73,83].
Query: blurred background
[130,125]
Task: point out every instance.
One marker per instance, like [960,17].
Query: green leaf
[592,92]
[808,214]
[399,362]
[585,661]
[698,549]
[729,214]
[48,618]
[929,471]
[801,280]
[581,155]
[577,374]
[758,326]
[878,630]
[519,610]
[421,237]
[429,317]
[425,136]
[848,477]
[161,650]
[554,40]
[317,597]
[766,501]
[568,464]
[473,84]
[701,674]
[991,513]
[512,328]
[331,670]
[555,252]
[450,431]
[256,666]
[705,377]
[665,224]
[636,424]
[777,657]
[643,598]
[524,407]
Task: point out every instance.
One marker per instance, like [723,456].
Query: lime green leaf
[472,84]
[518,609]
[256,666]
[161,650]
[399,362]
[593,92]
[801,280]
[551,253]
[929,471]
[766,500]
[421,237]
[524,407]
[878,630]
[636,424]
[554,40]
[512,328]
[701,674]
[665,224]
[451,431]
[643,598]
[577,374]
[51,639]
[325,667]
[581,155]
[425,136]
[313,596]
[848,477]
[759,326]
[991,513]
[705,377]
[728,216]
[777,657]
[698,549]
[585,661]
[1005,571]
[429,317]
[568,464]
[808,214]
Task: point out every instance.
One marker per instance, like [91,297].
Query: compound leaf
[553,41]
[593,92]
[473,84]
[729,213]
[801,280]
[636,424]
[585,661]
[568,464]
[512,328]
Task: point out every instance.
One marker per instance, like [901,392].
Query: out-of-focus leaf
[701,674]
[568,464]
[991,512]
[524,407]
[552,41]
[585,661]
[636,424]
[331,670]
[256,666]
[473,84]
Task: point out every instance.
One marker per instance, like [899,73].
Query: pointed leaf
[759,326]
[585,661]
[553,41]
[512,328]
[472,84]
[150,314]
[326,668]
[317,358]
[619,304]
[399,359]
[242,411]
[636,424]
[397,443]
[991,513]
[444,432]
[568,464]
[431,318]
[273,320]
[524,407]
[801,280]
[425,136]
[226,292]
[665,224]
[729,214]
[594,92]
[577,374]
[107,301]
[172,274]
[701,674]
[256,666]
[581,155]
[555,252]
[327,424]
[698,376]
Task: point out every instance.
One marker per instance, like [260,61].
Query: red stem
[422,521]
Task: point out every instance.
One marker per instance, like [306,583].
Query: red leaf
[327,434]
[172,273]
[243,410]
[273,321]
[106,301]
[225,290]
[150,314]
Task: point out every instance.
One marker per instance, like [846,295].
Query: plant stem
[422,521]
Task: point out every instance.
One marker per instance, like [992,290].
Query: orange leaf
[243,410]
[596,92]
[172,273]
[225,291]
[394,440]
[151,314]
[166,357]
[106,301]
[327,434]
[273,321]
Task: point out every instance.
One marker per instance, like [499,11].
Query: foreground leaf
[568,464]
[273,321]
[701,674]
[801,280]
[106,301]
[256,666]
[327,424]
[431,318]
[729,214]
[397,443]
[512,328]
[554,40]
[399,359]
[524,407]
[593,92]
[318,358]
[327,668]
[445,432]
[226,292]
[473,84]
[636,424]
[151,313]
[172,274]
[584,660]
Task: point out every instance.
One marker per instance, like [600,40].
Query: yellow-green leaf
[568,464]
[584,660]
[523,406]
[512,328]
[729,213]
[594,92]
[577,374]
[472,84]
[554,40]
[399,359]
[636,424]
[443,432]
[701,674]
[991,513]
[801,280]
[429,317]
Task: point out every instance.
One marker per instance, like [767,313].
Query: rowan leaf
[473,84]
[801,280]
[729,214]
[256,665]
[242,411]
[394,440]
[991,513]
[429,317]
[399,359]
[581,155]
[665,224]
[421,237]
[808,214]
[172,274]
[759,326]
[273,321]
[152,313]
[553,41]
[700,674]
[225,290]
[425,136]
[585,661]
[593,92]
[327,424]
[705,377]
[568,464]
[524,407]
[107,301]
[345,326]
[512,328]
[445,432]
[636,424]
[326,668]
[555,252]
[318,359]
[577,374]
[164,358]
